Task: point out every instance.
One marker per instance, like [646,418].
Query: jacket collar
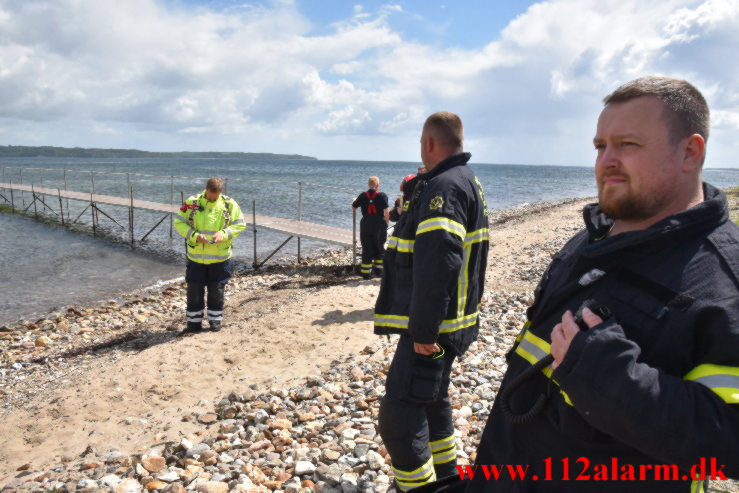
[203,200]
[458,159]
[707,215]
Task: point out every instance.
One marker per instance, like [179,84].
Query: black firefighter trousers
[415,418]
[199,277]
[373,250]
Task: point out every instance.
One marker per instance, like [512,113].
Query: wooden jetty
[294,228]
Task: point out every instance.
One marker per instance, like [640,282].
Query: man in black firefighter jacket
[430,294]
[373,226]
[643,394]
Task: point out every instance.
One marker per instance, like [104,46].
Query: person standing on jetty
[209,222]
[373,226]
[430,294]
[643,385]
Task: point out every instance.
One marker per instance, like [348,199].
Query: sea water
[45,266]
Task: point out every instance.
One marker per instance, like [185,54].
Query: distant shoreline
[82,152]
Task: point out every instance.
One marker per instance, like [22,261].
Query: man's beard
[630,207]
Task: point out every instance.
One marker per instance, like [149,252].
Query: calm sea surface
[45,266]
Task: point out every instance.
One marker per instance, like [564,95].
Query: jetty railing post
[23,197]
[42,177]
[96,217]
[130,214]
[33,195]
[300,211]
[354,240]
[65,189]
[171,203]
[92,213]
[61,208]
[12,200]
[254,228]
[225,186]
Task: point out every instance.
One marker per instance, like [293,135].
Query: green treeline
[50,151]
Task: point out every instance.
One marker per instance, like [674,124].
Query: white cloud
[139,75]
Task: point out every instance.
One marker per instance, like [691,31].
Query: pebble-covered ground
[316,434]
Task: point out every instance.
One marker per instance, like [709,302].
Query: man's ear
[693,153]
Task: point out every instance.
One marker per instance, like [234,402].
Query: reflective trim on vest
[451,325]
[230,234]
[180,218]
[407,480]
[532,349]
[238,221]
[400,244]
[208,232]
[207,257]
[189,232]
[444,223]
[723,380]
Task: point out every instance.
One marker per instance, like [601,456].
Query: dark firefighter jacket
[657,383]
[435,261]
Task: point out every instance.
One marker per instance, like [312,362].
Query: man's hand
[218,237]
[201,239]
[425,349]
[564,332]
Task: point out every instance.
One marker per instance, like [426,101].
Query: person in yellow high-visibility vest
[209,222]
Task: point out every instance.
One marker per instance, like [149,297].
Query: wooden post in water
[33,195]
[65,189]
[130,214]
[61,208]
[92,213]
[95,209]
[23,197]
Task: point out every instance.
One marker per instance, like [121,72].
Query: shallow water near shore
[45,267]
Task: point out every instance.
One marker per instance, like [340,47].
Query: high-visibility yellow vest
[198,216]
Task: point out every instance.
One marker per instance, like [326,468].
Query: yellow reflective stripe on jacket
[444,223]
[451,325]
[723,380]
[198,256]
[408,480]
[400,244]
[482,234]
[463,279]
[533,348]
[697,486]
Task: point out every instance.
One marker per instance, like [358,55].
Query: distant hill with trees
[50,151]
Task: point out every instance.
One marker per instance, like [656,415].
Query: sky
[349,80]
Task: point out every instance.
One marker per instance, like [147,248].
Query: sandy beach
[284,398]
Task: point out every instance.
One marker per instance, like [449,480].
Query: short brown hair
[446,128]
[214,185]
[686,109]
[373,182]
